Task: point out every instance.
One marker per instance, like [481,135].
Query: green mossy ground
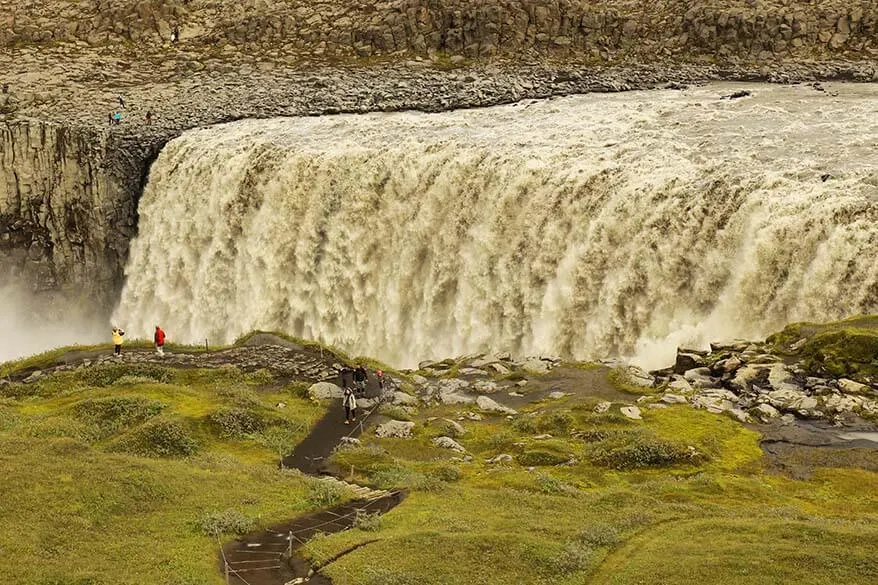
[120,474]
[129,474]
[846,348]
[680,497]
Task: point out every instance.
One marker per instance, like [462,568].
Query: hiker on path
[121,102]
[159,340]
[360,377]
[117,118]
[118,340]
[148,117]
[175,34]
[380,375]
[344,375]
[350,406]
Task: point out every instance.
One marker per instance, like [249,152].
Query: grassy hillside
[128,474]
[131,473]
[679,497]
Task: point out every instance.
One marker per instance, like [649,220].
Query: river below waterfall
[585,226]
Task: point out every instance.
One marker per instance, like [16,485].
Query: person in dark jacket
[345,377]
[360,377]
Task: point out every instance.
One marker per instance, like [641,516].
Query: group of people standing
[119,338]
[353,383]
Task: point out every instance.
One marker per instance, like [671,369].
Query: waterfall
[585,226]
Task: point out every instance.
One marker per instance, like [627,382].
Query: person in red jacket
[159,340]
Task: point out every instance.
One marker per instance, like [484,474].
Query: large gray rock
[448,443]
[687,361]
[631,412]
[745,377]
[325,391]
[489,405]
[851,387]
[639,377]
[536,366]
[398,429]
[701,378]
[454,428]
[403,399]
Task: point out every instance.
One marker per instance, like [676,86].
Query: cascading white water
[585,226]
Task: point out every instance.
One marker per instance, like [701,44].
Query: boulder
[674,399]
[744,378]
[602,407]
[850,387]
[536,365]
[838,403]
[502,458]
[419,380]
[681,386]
[631,412]
[454,428]
[499,368]
[485,386]
[489,405]
[556,395]
[729,365]
[448,443]
[687,361]
[404,399]
[639,377]
[785,398]
[398,429]
[766,411]
[35,375]
[701,378]
[325,391]
[740,415]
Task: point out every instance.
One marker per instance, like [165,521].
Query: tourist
[175,34]
[121,102]
[117,118]
[350,406]
[360,377]
[380,375]
[148,117]
[118,339]
[111,119]
[159,340]
[344,375]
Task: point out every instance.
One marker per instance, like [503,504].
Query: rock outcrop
[753,383]
[66,215]
[459,29]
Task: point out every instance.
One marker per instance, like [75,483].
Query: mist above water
[33,323]
[587,226]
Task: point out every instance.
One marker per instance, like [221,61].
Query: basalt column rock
[66,212]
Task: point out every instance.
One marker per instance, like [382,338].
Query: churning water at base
[585,226]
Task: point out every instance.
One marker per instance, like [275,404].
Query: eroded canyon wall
[67,211]
[587,29]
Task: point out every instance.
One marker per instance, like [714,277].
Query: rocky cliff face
[588,29]
[65,214]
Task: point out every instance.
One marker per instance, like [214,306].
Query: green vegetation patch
[114,413]
[747,552]
[846,348]
[161,437]
[108,374]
